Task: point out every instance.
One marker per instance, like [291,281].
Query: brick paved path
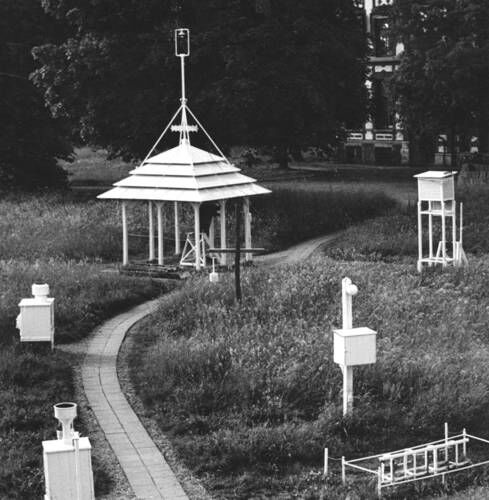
[145,467]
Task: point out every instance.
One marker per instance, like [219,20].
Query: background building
[381,140]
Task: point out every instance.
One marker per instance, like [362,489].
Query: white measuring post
[213,275]
[125,242]
[352,346]
[36,318]
[436,200]
[325,470]
[151,232]
[68,460]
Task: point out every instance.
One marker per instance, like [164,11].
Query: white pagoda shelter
[185,174]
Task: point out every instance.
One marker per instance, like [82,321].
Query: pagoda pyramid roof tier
[184,173]
[185,154]
[185,195]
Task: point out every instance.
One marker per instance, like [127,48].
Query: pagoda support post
[222,218]
[159,217]
[125,243]
[177,229]
[197,234]
[212,233]
[151,232]
[247,226]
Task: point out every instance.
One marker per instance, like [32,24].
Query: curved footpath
[147,471]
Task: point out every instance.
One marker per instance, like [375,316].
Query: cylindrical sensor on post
[40,291]
[66,413]
[182,42]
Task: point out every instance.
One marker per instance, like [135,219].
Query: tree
[30,140]
[443,77]
[280,73]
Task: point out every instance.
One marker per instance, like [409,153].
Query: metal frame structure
[425,461]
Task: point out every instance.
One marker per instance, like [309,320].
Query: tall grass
[56,239]
[288,216]
[85,294]
[57,225]
[250,395]
[392,238]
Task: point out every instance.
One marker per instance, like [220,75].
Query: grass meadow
[249,393]
[57,239]
[394,238]
[71,242]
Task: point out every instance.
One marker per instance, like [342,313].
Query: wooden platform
[147,269]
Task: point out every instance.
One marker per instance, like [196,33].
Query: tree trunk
[453,145]
[283,156]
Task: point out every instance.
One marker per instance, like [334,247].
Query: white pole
[125,245]
[454,230]
[464,444]
[420,239]
[197,234]
[461,224]
[379,483]
[151,232]
[159,217]
[182,69]
[443,230]
[76,444]
[343,471]
[347,389]
[430,230]
[223,230]
[177,229]
[446,441]
[212,233]
[247,222]
[325,471]
[348,290]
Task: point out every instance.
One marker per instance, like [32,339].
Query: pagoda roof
[185,154]
[184,173]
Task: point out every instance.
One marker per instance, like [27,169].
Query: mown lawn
[249,393]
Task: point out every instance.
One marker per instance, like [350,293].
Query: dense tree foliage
[281,73]
[443,78]
[30,140]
